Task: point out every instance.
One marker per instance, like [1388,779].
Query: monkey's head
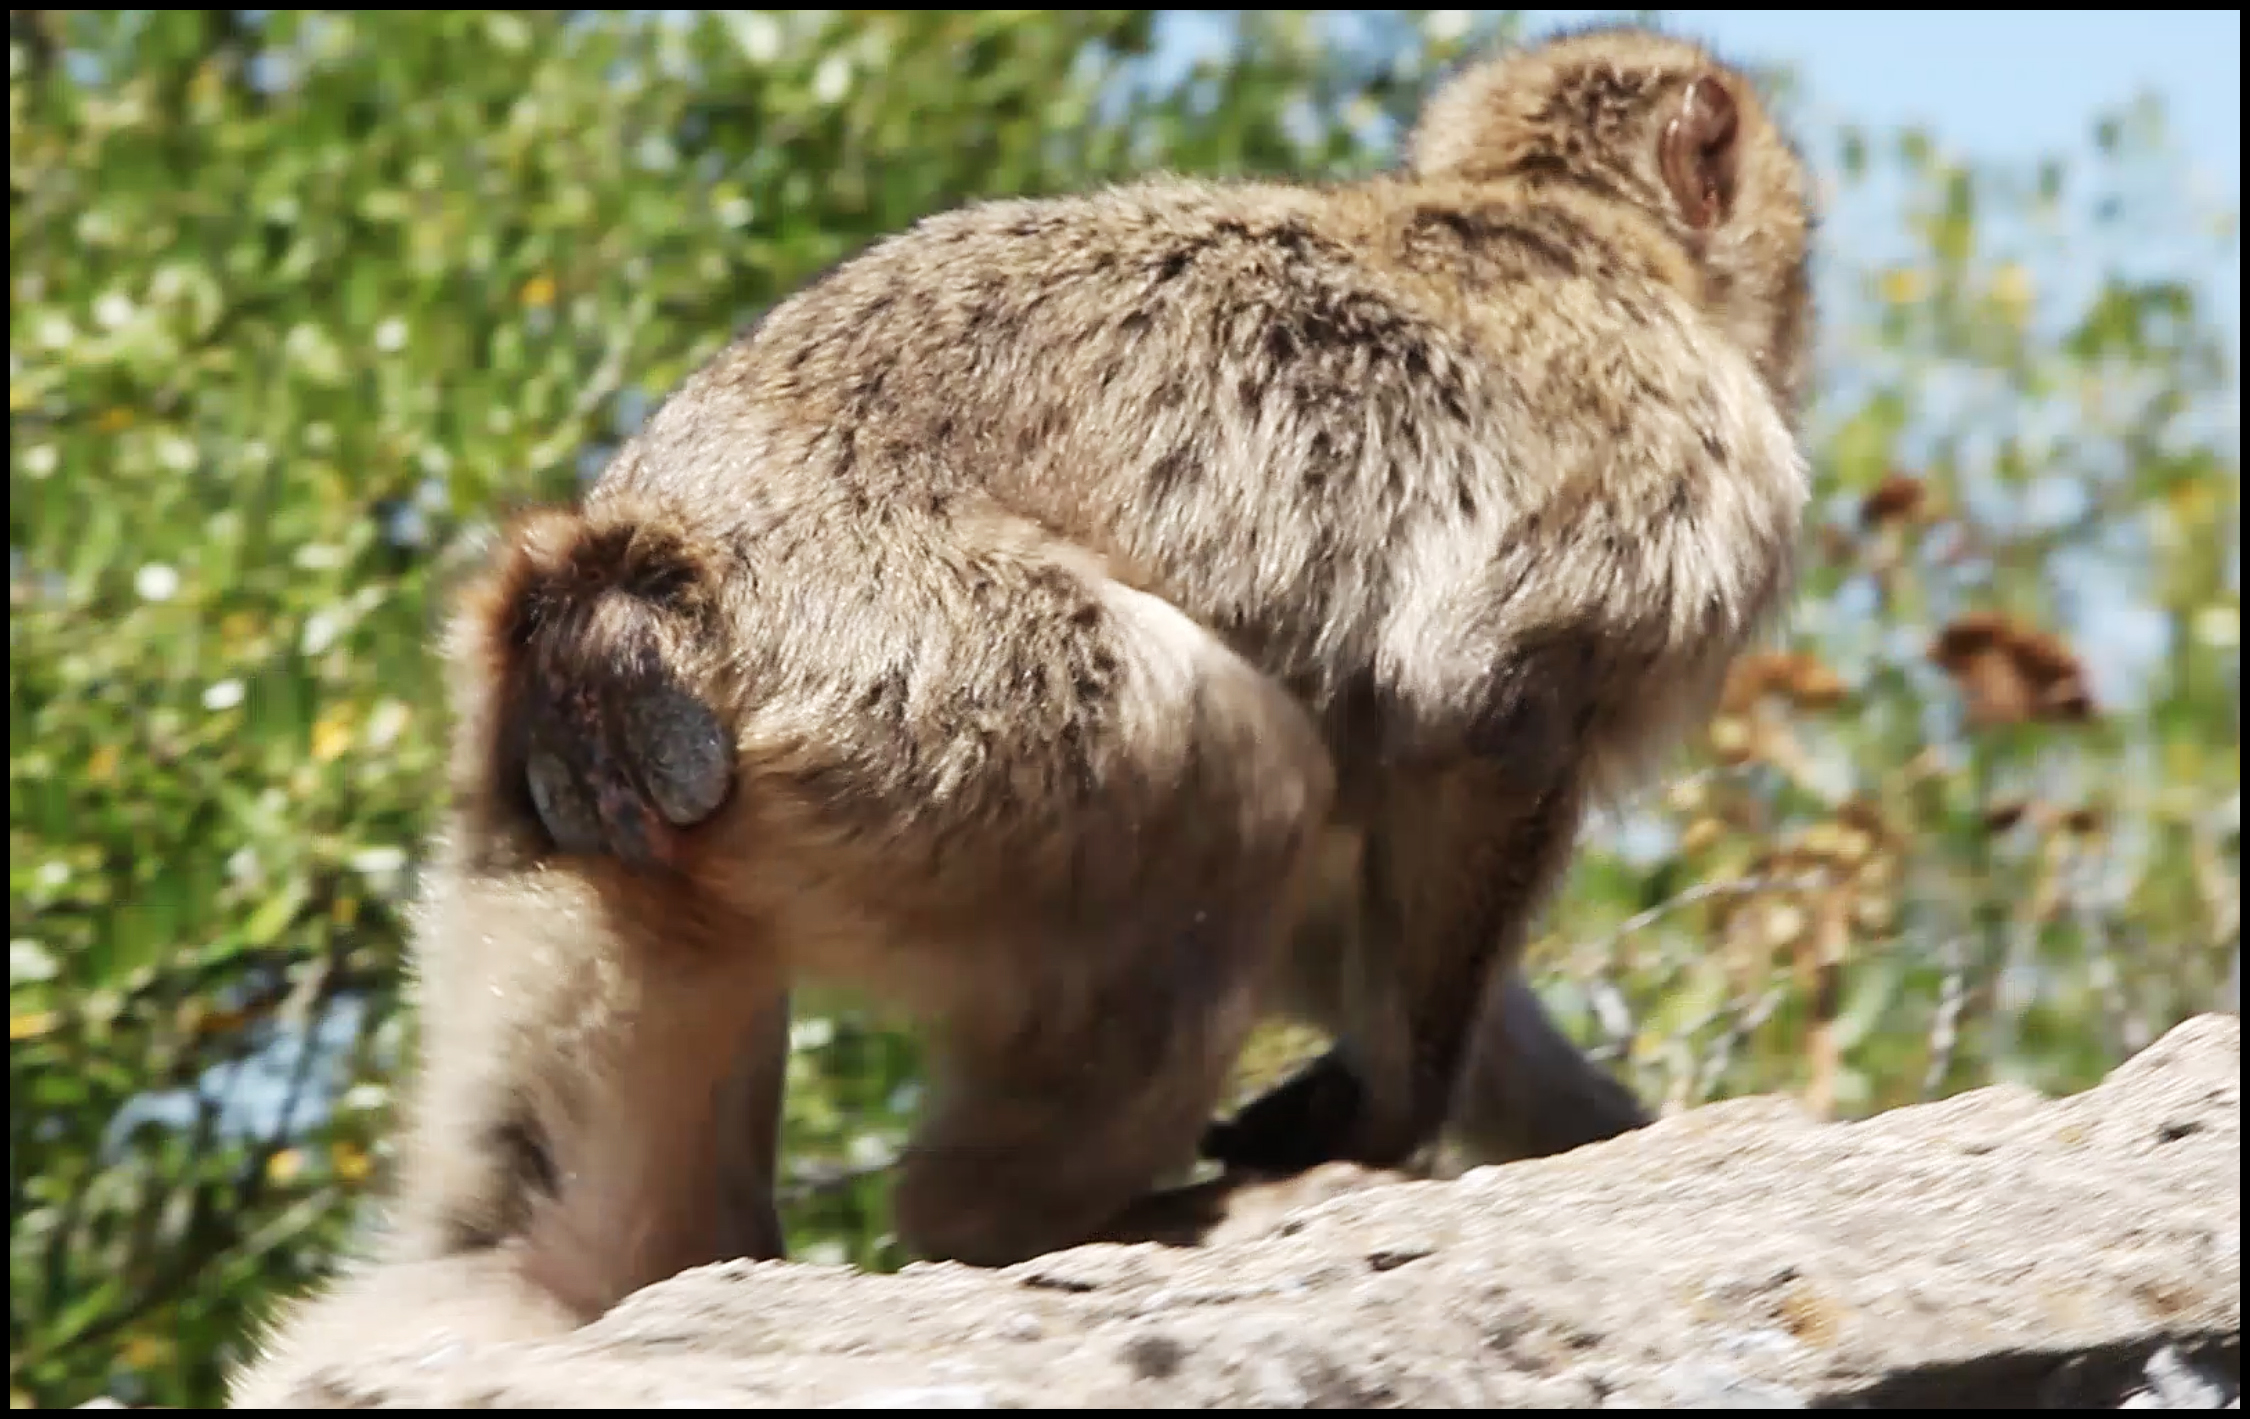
[1660,124]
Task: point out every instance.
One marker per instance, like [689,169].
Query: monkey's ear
[1698,152]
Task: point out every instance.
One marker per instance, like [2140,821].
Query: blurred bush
[300,299]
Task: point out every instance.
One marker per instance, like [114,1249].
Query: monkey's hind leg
[395,1311]
[1123,948]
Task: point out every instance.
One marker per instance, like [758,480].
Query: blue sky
[1991,87]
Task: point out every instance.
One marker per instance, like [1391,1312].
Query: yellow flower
[351,1161]
[1904,285]
[2013,292]
[284,1165]
[332,735]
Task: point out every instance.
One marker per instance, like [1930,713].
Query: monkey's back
[1135,370]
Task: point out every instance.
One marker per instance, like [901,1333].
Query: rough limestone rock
[1997,1249]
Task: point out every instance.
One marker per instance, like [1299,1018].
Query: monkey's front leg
[1526,1091]
[1457,860]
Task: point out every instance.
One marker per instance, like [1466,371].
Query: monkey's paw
[1313,1117]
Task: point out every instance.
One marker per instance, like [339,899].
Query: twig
[825,1181]
[1739,1028]
[1610,1010]
[1708,891]
[1945,1028]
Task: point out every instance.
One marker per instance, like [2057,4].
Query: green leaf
[274,916]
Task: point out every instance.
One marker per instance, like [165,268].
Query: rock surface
[1996,1249]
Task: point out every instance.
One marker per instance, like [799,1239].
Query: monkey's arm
[1527,1091]
[1530,664]
[1455,863]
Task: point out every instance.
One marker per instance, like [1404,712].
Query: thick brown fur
[1060,578]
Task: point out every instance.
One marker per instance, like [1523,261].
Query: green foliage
[301,299]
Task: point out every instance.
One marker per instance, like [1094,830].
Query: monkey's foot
[1313,1117]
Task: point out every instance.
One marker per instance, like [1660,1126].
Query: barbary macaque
[1010,625]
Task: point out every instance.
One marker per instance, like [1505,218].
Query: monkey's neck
[1586,229]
